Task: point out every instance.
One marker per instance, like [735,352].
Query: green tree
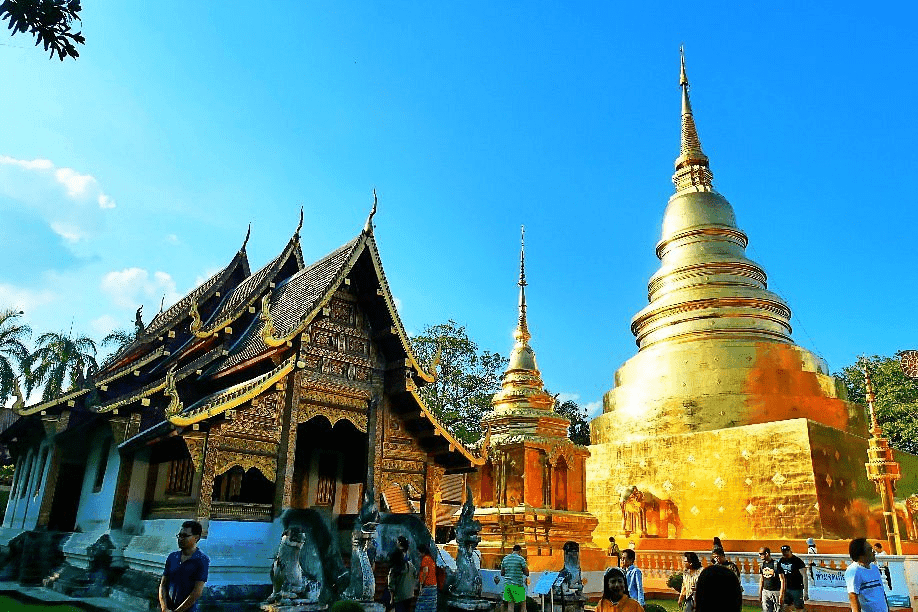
[14,356]
[50,21]
[896,399]
[119,339]
[467,378]
[579,430]
[60,363]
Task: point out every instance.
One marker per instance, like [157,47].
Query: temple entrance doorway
[330,467]
[65,503]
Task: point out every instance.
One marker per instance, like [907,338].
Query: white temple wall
[13,501]
[95,505]
[25,515]
[133,512]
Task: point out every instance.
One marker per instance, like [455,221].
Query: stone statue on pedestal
[465,585]
[362,586]
[292,590]
[569,592]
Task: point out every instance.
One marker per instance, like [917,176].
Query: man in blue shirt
[633,576]
[185,573]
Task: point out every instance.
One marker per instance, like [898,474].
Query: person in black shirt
[792,572]
[769,582]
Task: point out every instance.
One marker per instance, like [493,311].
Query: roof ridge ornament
[368,226]
[175,403]
[247,234]
[692,166]
[300,224]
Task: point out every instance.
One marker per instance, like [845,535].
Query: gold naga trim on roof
[197,323]
[230,398]
[152,356]
[175,403]
[67,397]
[454,444]
[268,330]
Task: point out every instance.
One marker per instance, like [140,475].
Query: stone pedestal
[293,605]
[468,604]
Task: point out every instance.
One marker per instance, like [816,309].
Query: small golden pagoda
[531,489]
[720,425]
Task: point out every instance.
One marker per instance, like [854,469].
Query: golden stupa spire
[871,398]
[692,167]
[522,334]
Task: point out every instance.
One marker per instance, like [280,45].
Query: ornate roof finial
[522,329]
[692,167]
[871,398]
[300,224]
[248,233]
[368,227]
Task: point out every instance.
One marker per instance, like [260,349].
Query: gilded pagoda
[531,489]
[720,425]
[249,397]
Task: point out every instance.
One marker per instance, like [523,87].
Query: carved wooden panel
[260,419]
[263,463]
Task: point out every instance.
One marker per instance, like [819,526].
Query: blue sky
[133,172]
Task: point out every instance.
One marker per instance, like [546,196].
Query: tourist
[402,577]
[514,570]
[692,568]
[614,551]
[718,590]
[633,576]
[810,546]
[185,573]
[878,549]
[792,573]
[615,596]
[427,599]
[720,558]
[769,582]
[884,567]
[863,580]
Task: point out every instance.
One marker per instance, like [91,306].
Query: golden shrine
[720,425]
[531,489]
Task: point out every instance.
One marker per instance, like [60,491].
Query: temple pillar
[123,428]
[431,495]
[48,485]
[286,452]
[208,463]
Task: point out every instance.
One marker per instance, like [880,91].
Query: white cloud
[568,397]
[75,183]
[173,239]
[70,202]
[593,409]
[104,325]
[131,287]
[35,164]
[398,304]
[23,299]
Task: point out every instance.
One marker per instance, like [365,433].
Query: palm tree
[60,361]
[118,338]
[12,350]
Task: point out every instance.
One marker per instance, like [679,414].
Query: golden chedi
[531,489]
[720,425]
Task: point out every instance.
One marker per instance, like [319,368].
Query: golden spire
[522,334]
[692,168]
[871,398]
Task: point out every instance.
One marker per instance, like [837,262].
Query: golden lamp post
[882,469]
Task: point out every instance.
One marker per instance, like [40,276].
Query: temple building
[254,394]
[720,425]
[531,489]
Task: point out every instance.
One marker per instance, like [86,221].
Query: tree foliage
[14,356]
[579,430]
[60,363]
[49,21]
[896,399]
[467,378]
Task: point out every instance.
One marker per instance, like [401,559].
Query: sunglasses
[182,536]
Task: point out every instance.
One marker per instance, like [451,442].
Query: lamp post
[882,470]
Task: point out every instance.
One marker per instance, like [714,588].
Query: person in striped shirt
[514,570]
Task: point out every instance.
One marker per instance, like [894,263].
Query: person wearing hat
[615,594]
[810,546]
[792,573]
[769,583]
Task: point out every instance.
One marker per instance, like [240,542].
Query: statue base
[293,605]
[468,604]
[369,606]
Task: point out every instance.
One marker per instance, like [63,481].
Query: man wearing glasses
[185,573]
